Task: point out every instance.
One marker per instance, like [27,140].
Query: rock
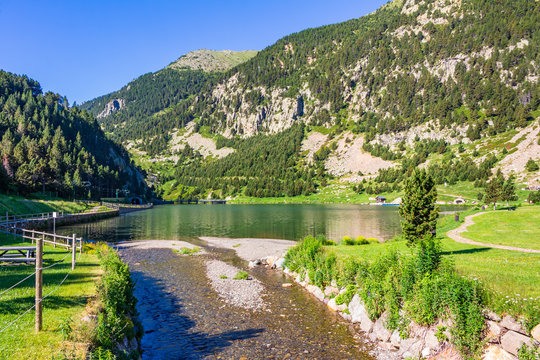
[251,264]
[416,349]
[494,331]
[330,290]
[496,353]
[426,353]
[510,323]
[490,315]
[359,314]
[535,333]
[379,330]
[335,307]
[315,291]
[345,316]
[395,339]
[89,318]
[513,341]
[279,262]
[270,261]
[286,285]
[430,340]
[298,279]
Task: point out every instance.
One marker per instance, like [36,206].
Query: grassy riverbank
[36,204]
[20,341]
[510,272]
[99,287]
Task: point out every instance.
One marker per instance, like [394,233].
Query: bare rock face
[112,107]
[513,341]
[380,331]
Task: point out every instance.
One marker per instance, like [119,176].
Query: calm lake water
[280,221]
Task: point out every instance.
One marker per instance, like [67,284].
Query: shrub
[347,240]
[241,275]
[360,239]
[188,251]
[373,240]
[346,297]
[532,166]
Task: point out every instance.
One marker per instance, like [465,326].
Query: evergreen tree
[508,192]
[531,166]
[418,210]
[494,191]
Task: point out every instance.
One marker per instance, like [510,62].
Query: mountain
[48,146]
[210,60]
[449,85]
[155,103]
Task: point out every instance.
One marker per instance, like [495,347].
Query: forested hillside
[433,83]
[48,146]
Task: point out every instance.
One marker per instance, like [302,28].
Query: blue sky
[83,49]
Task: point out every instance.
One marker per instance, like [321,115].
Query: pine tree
[494,191]
[509,190]
[418,210]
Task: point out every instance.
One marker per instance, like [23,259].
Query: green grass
[519,228]
[188,251]
[241,275]
[20,341]
[507,272]
[36,204]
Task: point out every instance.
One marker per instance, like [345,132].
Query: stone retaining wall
[504,336]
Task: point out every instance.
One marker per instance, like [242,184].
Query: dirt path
[456,236]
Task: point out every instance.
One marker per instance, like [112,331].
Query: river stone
[491,315]
[496,353]
[279,262]
[335,307]
[430,340]
[426,353]
[535,333]
[359,314]
[379,330]
[494,331]
[315,291]
[511,324]
[395,339]
[270,261]
[330,290]
[513,341]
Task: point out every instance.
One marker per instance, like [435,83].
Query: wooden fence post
[33,236]
[73,251]
[39,283]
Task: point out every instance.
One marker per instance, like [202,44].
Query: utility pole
[39,283]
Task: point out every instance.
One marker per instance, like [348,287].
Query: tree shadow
[466,251]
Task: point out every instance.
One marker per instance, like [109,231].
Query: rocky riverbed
[184,317]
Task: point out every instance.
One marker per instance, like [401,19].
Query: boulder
[270,261]
[513,341]
[285,285]
[430,340]
[333,306]
[330,290]
[535,333]
[493,331]
[426,353]
[490,315]
[359,314]
[496,353]
[379,330]
[395,339]
[510,323]
[279,263]
[315,291]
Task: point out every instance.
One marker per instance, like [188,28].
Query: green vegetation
[520,228]
[67,302]
[241,275]
[46,145]
[418,211]
[188,251]
[223,276]
[38,203]
[418,286]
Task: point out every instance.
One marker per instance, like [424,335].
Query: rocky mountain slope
[413,84]
[210,60]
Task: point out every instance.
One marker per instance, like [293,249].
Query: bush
[241,275]
[347,240]
[346,297]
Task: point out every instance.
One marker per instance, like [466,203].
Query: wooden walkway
[456,236]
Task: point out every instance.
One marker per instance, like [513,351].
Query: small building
[380,199]
[459,201]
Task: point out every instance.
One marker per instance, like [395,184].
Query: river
[181,314]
